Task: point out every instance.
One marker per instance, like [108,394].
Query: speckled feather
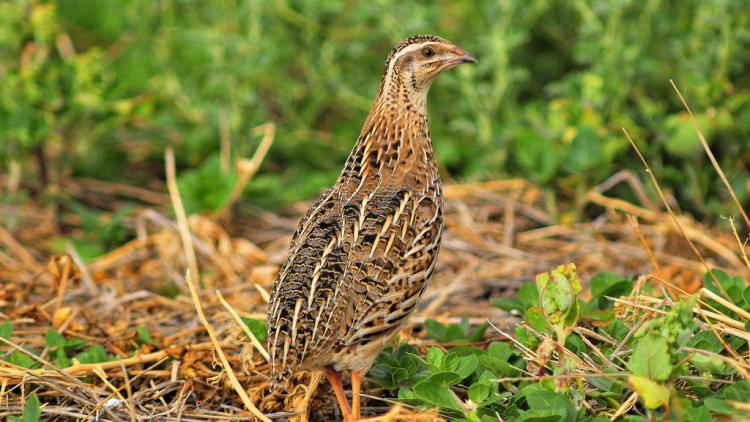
[361,257]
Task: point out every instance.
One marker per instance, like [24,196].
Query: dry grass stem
[179,209]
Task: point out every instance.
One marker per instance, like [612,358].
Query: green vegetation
[679,371]
[31,411]
[100,91]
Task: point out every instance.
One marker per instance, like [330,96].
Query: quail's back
[361,257]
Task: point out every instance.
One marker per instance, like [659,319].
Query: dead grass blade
[179,209]
[711,156]
[675,220]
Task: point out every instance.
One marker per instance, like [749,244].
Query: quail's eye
[428,52]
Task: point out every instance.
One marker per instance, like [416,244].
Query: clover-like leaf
[650,358]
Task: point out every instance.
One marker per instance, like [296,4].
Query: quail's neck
[394,146]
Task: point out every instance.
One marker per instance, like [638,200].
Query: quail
[363,254]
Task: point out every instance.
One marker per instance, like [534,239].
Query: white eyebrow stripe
[404,51]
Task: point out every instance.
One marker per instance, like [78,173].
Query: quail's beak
[463,56]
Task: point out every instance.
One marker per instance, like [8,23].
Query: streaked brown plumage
[362,256]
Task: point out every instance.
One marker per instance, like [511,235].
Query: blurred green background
[98,89]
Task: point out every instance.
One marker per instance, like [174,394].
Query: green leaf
[445,378]
[61,359]
[654,395]
[436,358]
[31,410]
[93,354]
[478,392]
[535,154]
[437,394]
[466,365]
[539,416]
[496,359]
[698,414]
[746,296]
[507,303]
[206,188]
[536,319]
[435,330]
[528,294]
[650,358]
[608,284]
[585,152]
[258,328]
[719,406]
[144,337]
[711,364]
[477,333]
[6,330]
[737,391]
[540,399]
[734,286]
[53,338]
[23,360]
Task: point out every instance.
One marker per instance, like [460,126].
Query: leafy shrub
[532,379]
[101,91]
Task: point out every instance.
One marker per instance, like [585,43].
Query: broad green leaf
[653,394]
[31,410]
[258,328]
[476,334]
[536,319]
[719,406]
[608,284]
[540,399]
[734,286]
[737,391]
[437,394]
[478,392]
[61,359]
[536,154]
[22,359]
[711,364]
[698,414]
[435,330]
[206,188]
[93,354]
[144,337]
[436,358]
[6,330]
[650,358]
[508,303]
[466,365]
[445,378]
[528,294]
[538,415]
[53,338]
[408,396]
[585,151]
